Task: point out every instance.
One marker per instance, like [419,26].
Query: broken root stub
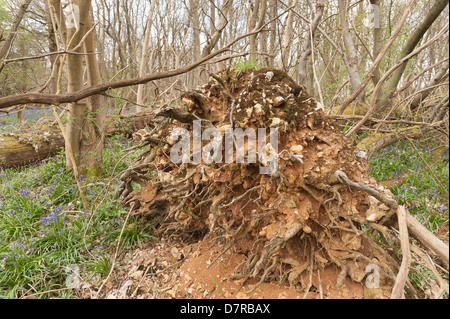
[288,225]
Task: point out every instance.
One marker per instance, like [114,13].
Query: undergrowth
[426,195]
[45,233]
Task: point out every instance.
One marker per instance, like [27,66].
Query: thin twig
[72,158]
[117,250]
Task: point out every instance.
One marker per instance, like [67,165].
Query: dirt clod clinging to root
[300,226]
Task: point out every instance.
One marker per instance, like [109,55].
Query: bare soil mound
[228,231]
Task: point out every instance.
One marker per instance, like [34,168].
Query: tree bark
[91,144]
[256,21]
[216,32]
[374,143]
[195,20]
[273,8]
[285,52]
[377,38]
[76,110]
[144,57]
[428,239]
[308,44]
[352,56]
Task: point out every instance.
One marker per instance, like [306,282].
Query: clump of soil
[298,232]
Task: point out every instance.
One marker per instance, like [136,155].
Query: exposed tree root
[316,212]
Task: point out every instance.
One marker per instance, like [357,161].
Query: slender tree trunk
[195,20]
[256,21]
[310,77]
[352,56]
[52,47]
[272,33]
[144,57]
[308,43]
[91,146]
[217,32]
[286,41]
[77,111]
[377,38]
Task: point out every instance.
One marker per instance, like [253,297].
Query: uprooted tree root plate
[299,232]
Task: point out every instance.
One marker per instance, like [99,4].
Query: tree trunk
[77,110]
[256,21]
[309,43]
[91,144]
[352,56]
[14,153]
[272,33]
[195,20]
[52,47]
[216,32]
[144,57]
[377,38]
[286,41]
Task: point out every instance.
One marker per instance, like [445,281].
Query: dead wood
[398,290]
[428,239]
[40,142]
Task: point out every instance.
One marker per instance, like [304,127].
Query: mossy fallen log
[375,142]
[40,143]
[14,152]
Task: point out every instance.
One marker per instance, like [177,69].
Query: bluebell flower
[45,221]
[23,192]
[53,217]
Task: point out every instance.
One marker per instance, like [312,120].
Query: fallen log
[46,141]
[14,153]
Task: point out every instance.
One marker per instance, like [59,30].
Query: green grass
[242,64]
[42,225]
